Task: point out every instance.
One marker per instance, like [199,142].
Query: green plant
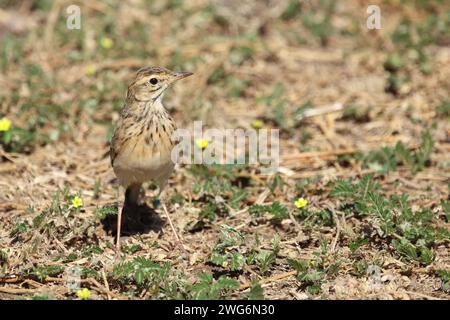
[43,272]
[411,39]
[3,260]
[276,209]
[445,277]
[256,291]
[144,273]
[446,209]
[19,227]
[387,159]
[218,181]
[443,109]
[421,254]
[292,10]
[266,259]
[102,212]
[410,232]
[276,104]
[319,22]
[225,253]
[18,140]
[310,277]
[310,218]
[207,288]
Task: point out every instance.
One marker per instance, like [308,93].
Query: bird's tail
[132,194]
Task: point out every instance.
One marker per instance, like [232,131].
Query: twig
[321,110]
[262,197]
[105,281]
[59,243]
[249,270]
[10,280]
[17,290]
[423,295]
[319,154]
[291,216]
[338,230]
[97,286]
[271,279]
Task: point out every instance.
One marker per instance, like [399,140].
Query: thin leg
[173,228]
[119,224]
[120,207]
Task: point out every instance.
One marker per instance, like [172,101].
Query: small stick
[105,281]
[338,231]
[271,279]
[294,221]
[321,110]
[423,295]
[173,228]
[17,290]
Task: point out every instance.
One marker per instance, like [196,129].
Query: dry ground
[66,88]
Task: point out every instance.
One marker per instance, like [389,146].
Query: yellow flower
[5,124]
[301,203]
[77,202]
[106,43]
[84,294]
[202,143]
[257,124]
[90,70]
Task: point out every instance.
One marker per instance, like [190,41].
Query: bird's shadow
[136,219]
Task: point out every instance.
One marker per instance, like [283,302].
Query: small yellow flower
[84,294]
[77,202]
[106,43]
[257,124]
[202,143]
[301,203]
[90,70]
[5,124]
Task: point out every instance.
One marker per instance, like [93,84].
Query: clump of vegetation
[387,159]
[411,40]
[319,22]
[443,109]
[145,273]
[226,251]
[232,253]
[410,232]
[445,277]
[218,190]
[207,288]
[312,274]
[276,210]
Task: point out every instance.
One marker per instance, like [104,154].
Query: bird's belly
[144,165]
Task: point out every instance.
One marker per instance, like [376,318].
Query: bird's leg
[179,242]
[119,224]
[120,208]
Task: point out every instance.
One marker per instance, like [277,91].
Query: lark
[143,140]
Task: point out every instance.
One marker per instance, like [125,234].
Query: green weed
[207,288]
[410,232]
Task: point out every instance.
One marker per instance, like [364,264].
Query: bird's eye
[153,81]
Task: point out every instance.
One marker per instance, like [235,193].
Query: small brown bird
[142,142]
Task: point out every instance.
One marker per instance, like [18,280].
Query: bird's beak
[182,75]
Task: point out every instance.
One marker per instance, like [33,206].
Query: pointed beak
[182,75]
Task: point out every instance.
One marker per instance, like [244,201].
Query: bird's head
[151,82]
